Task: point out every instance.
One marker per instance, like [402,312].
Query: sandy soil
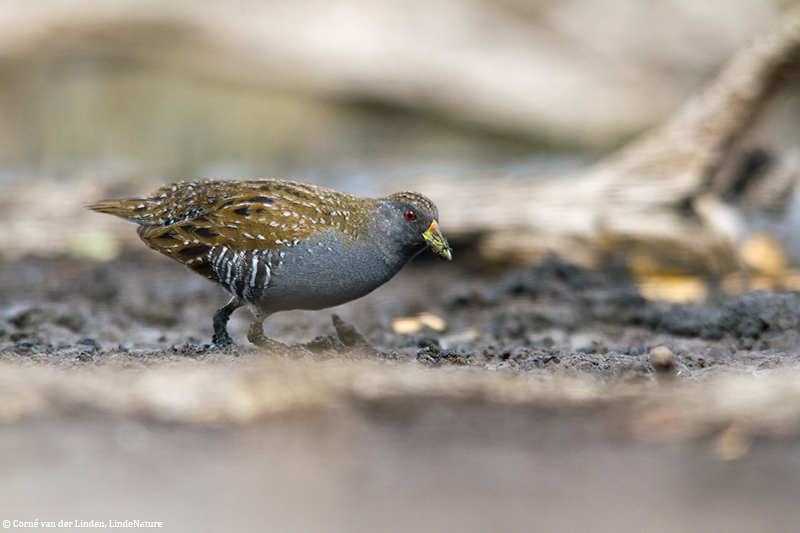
[546,402]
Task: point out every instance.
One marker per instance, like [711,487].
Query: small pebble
[663,362]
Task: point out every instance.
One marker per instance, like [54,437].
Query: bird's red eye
[410,215]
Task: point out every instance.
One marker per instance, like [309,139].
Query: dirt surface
[548,398]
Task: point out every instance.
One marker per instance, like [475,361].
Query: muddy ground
[546,403]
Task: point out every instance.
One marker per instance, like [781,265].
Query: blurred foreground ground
[535,408]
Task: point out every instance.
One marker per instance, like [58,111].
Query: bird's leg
[256,332]
[256,335]
[221,337]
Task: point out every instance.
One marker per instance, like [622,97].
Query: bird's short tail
[135,210]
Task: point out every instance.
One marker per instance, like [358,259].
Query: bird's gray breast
[324,271]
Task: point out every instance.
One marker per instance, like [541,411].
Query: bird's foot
[347,340]
[257,337]
[222,339]
[225,344]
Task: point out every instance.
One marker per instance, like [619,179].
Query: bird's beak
[437,242]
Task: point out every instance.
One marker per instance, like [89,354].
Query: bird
[278,245]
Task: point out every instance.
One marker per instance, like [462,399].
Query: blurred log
[511,67]
[659,202]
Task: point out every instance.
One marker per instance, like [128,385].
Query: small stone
[663,362]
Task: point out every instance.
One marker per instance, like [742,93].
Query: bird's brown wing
[186,221]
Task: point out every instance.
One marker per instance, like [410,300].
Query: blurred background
[524,120]
[106,98]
